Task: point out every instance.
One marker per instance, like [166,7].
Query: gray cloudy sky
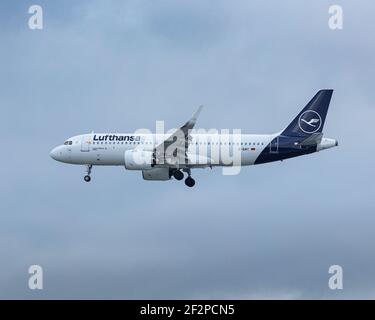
[271,232]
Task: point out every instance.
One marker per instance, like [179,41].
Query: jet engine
[157,174]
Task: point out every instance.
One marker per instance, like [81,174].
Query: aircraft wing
[173,150]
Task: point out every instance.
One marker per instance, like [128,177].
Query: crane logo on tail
[310,121]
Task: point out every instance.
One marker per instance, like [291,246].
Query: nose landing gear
[87,177]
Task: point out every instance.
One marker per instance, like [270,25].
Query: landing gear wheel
[178,175]
[87,177]
[190,182]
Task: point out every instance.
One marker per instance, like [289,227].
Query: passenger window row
[200,143]
[230,143]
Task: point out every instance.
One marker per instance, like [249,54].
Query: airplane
[161,157]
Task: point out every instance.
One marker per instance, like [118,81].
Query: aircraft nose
[54,153]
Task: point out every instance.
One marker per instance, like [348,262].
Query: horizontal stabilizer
[312,140]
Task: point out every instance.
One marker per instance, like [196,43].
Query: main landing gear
[87,177]
[189,181]
[179,175]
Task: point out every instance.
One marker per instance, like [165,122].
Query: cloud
[271,232]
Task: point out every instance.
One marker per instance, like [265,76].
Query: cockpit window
[68,143]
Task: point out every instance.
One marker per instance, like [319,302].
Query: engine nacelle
[157,174]
[138,159]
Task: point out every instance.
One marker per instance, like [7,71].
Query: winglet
[185,129]
[197,113]
[191,123]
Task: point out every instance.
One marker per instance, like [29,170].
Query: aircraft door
[85,143]
[274,145]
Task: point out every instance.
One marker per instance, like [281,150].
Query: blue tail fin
[311,119]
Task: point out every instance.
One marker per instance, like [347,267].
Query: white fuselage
[109,149]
